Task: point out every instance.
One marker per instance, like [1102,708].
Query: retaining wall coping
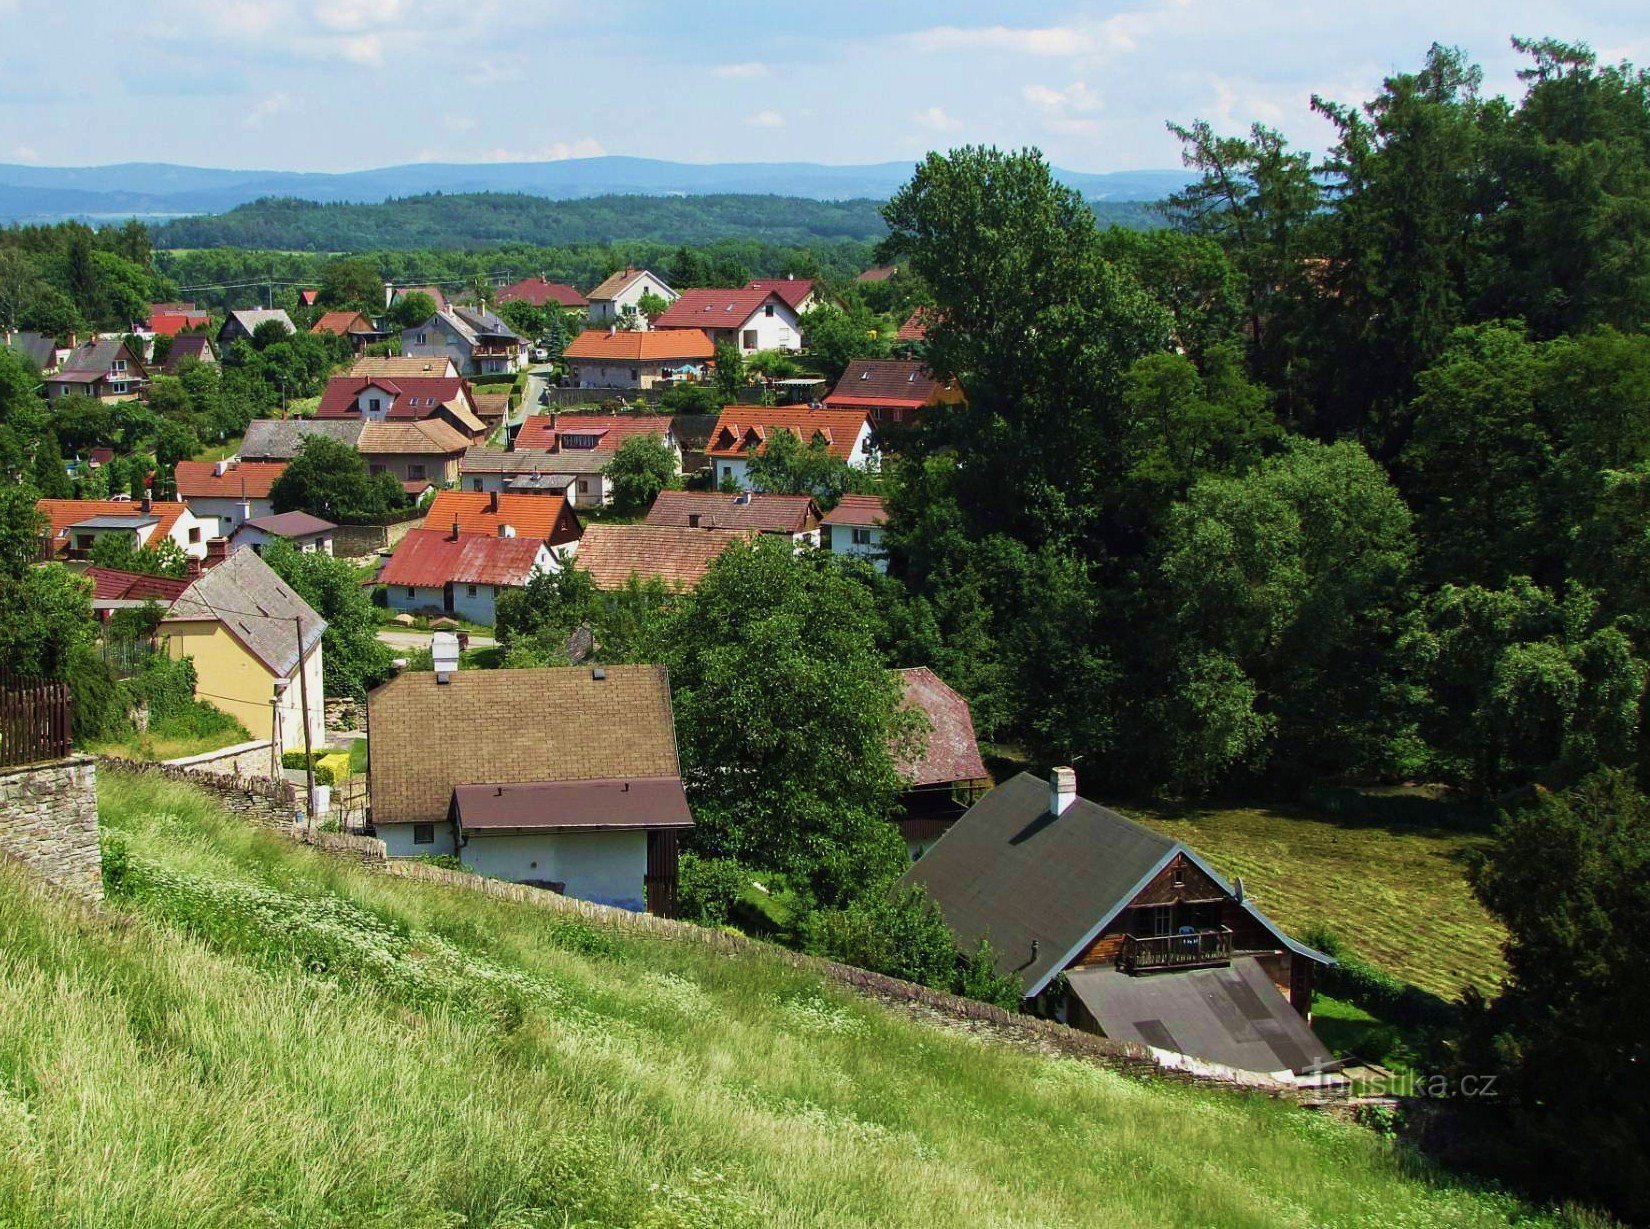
[222,753]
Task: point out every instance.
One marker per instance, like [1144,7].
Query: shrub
[1375,990]
[706,888]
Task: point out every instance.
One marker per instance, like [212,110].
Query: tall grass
[261,1036]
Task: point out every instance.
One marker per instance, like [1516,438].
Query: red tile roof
[342,324]
[915,327]
[410,397]
[881,273]
[427,558]
[538,292]
[109,585]
[171,323]
[197,346]
[61,513]
[743,428]
[865,510]
[949,752]
[249,479]
[548,432]
[648,346]
[678,557]
[721,510]
[547,518]
[792,289]
[884,382]
[713,309]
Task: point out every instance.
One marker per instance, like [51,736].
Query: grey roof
[1231,1015]
[279,439]
[116,522]
[470,324]
[36,347]
[1010,871]
[92,359]
[249,318]
[257,606]
[289,525]
[533,462]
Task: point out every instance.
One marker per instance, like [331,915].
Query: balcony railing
[1195,947]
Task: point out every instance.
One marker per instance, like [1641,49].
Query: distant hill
[484,219]
[160,190]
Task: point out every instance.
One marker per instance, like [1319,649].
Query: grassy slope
[1398,895]
[268,1037]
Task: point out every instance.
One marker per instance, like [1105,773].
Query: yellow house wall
[226,675]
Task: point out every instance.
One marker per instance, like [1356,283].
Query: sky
[331,85]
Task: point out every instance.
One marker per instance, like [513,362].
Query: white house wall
[399,843]
[221,517]
[608,868]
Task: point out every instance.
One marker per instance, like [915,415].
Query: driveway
[421,640]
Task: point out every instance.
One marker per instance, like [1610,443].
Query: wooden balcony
[1181,951]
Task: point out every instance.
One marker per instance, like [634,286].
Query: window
[415,471]
[119,364]
[411,592]
[423,834]
[475,484]
[374,404]
[768,310]
[635,374]
[469,590]
[117,388]
[1152,920]
[584,486]
[749,342]
[375,470]
[862,537]
[418,339]
[195,536]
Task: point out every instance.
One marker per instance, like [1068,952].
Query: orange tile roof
[538,292]
[858,510]
[915,327]
[743,428]
[341,324]
[678,557]
[547,518]
[544,431]
[248,479]
[61,513]
[651,345]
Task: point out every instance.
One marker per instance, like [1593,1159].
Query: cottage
[744,429]
[565,438]
[186,347]
[569,779]
[42,352]
[225,494]
[309,534]
[545,518]
[891,391]
[747,319]
[855,528]
[418,455]
[475,340]
[353,326]
[449,572]
[615,300]
[256,646]
[801,294]
[171,319]
[404,399]
[241,325]
[616,358]
[539,293]
[281,439]
[674,557]
[394,366]
[1119,930]
[943,772]
[114,590]
[73,526]
[795,516]
[105,369]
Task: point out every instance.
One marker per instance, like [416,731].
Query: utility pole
[303,699]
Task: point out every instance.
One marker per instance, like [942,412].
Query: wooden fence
[35,721]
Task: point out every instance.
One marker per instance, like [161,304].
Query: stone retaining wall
[242,760]
[48,822]
[267,803]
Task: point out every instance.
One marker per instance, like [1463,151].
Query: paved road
[421,640]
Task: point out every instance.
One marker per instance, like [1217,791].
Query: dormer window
[768,310]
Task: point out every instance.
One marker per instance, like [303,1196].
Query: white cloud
[557,151]
[935,119]
[365,49]
[1047,41]
[352,15]
[735,72]
[1066,111]
[266,109]
[766,119]
[25,153]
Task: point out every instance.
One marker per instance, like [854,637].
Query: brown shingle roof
[538,292]
[866,510]
[650,346]
[615,283]
[713,309]
[504,726]
[884,381]
[792,289]
[721,510]
[342,324]
[431,437]
[678,557]
[391,366]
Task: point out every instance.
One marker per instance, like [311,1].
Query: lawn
[259,1035]
[1398,895]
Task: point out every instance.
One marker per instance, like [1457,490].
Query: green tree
[352,281]
[353,659]
[329,479]
[774,670]
[641,468]
[652,305]
[836,337]
[119,552]
[50,477]
[729,378]
[412,310]
[787,466]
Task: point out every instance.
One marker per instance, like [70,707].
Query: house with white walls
[747,319]
[744,430]
[615,301]
[855,528]
[224,495]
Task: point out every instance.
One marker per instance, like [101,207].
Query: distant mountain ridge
[159,190]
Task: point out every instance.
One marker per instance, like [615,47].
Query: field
[262,1036]
[1398,895]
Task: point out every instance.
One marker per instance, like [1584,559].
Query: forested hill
[471,219]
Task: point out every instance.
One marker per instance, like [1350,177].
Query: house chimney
[455,529]
[1062,790]
[148,503]
[506,531]
[444,653]
[492,501]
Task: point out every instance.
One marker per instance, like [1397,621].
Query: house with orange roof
[224,495]
[745,429]
[170,319]
[915,328]
[854,528]
[750,318]
[676,557]
[618,358]
[360,331]
[451,572]
[73,526]
[499,514]
[615,300]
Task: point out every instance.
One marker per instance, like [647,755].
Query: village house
[943,772]
[1122,931]
[578,476]
[619,358]
[114,590]
[105,369]
[571,781]
[186,347]
[395,294]
[73,526]
[475,340]
[281,439]
[256,647]
[546,518]
[801,294]
[419,455]
[676,558]
[171,319]
[744,429]
[395,366]
[42,352]
[354,326]
[241,325]
[615,300]
[915,328]
[537,292]
[855,528]
[747,319]
[892,392]
[306,533]
[793,516]
[225,494]
[449,572]
[421,398]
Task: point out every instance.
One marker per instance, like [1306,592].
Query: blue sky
[344,84]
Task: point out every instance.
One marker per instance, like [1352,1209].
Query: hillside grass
[1397,894]
[259,1035]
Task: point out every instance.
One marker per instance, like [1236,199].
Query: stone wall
[267,803]
[48,822]
[242,760]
